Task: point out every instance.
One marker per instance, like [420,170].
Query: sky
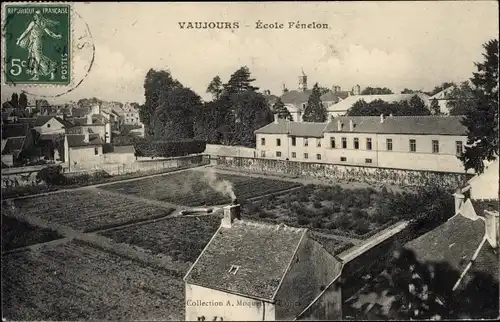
[398,45]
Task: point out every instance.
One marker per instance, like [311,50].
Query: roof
[14,130]
[296,97]
[50,137]
[13,146]
[332,96]
[77,140]
[434,125]
[263,253]
[484,186]
[454,242]
[304,129]
[347,103]
[82,121]
[442,94]
[80,111]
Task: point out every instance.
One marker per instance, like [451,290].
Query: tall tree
[14,100]
[215,87]
[23,101]
[461,99]
[156,84]
[409,91]
[435,109]
[239,81]
[376,91]
[415,106]
[280,109]
[315,110]
[482,122]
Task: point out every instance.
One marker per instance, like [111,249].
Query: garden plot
[75,281]
[181,238]
[191,188]
[16,234]
[86,210]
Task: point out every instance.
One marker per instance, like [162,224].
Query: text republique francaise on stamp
[37,40]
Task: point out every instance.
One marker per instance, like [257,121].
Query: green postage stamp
[37,40]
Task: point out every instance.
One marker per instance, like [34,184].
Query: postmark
[37,40]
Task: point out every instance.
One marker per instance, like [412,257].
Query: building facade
[428,143]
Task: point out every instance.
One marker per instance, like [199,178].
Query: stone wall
[346,173]
[228,151]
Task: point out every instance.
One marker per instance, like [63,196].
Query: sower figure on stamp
[32,40]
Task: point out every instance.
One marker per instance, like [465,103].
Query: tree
[156,84]
[435,109]
[215,87]
[415,106]
[376,91]
[23,101]
[175,116]
[410,91]
[280,109]
[482,121]
[14,100]
[88,102]
[239,82]
[460,99]
[315,110]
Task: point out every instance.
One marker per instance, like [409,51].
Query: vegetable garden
[16,233]
[87,210]
[189,188]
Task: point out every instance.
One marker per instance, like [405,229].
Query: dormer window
[234,269]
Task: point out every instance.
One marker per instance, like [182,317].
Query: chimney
[339,126]
[231,212]
[381,118]
[459,200]
[334,89]
[89,119]
[284,88]
[492,227]
[276,118]
[351,125]
[86,139]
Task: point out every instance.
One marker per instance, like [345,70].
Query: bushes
[169,149]
[51,175]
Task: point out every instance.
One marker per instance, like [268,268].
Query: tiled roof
[432,125]
[77,140]
[80,111]
[13,146]
[296,97]
[453,242]
[50,137]
[262,252]
[14,130]
[347,103]
[443,93]
[304,129]
[438,125]
[331,96]
[487,262]
[124,149]
[81,121]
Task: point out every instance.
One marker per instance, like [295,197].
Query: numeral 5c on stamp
[37,40]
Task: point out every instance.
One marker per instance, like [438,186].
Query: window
[318,143]
[263,141]
[306,142]
[306,155]
[459,148]
[96,151]
[278,154]
[318,156]
[294,141]
[294,155]
[435,146]
[368,160]
[234,269]
[413,145]
[368,143]
[356,143]
[304,106]
[332,143]
[344,143]
[343,159]
[389,144]
[262,154]
[278,142]
[48,125]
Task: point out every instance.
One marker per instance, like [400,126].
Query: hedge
[169,149]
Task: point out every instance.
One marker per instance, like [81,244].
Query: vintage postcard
[250,161]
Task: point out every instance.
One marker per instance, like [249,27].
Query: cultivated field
[16,233]
[76,281]
[86,210]
[350,212]
[181,238]
[191,188]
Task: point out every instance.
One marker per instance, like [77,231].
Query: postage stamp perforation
[70,45]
